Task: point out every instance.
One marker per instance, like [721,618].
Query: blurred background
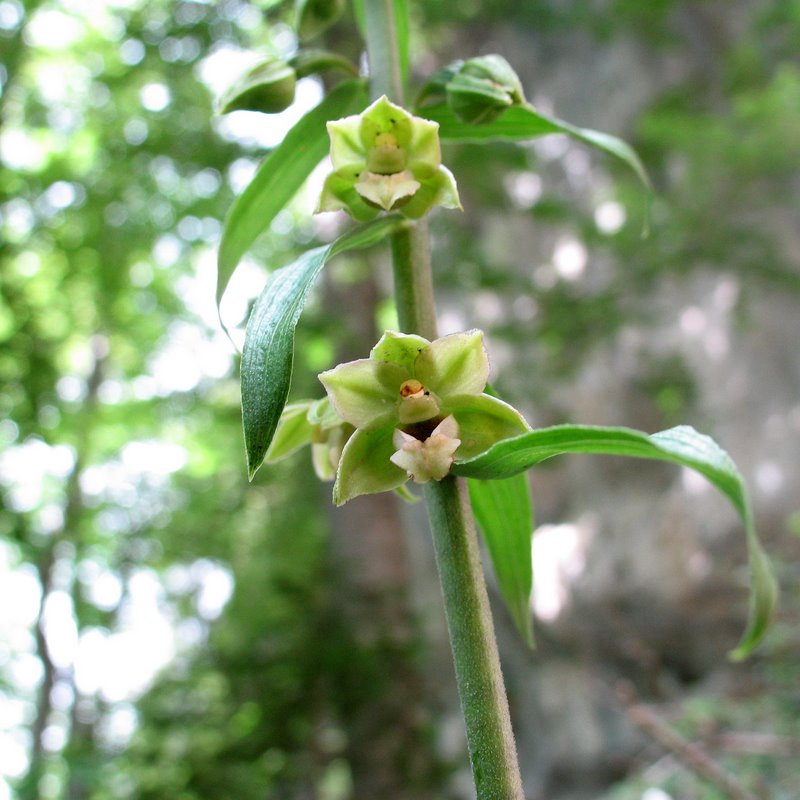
[168,631]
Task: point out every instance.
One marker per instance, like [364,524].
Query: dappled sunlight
[610,216]
[559,559]
[569,258]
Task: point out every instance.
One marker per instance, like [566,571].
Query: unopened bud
[268,87]
[483,88]
[315,16]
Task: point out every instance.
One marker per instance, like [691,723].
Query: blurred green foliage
[119,417]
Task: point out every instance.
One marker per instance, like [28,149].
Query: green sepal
[323,415]
[482,422]
[400,349]
[435,88]
[268,87]
[438,189]
[364,392]
[339,194]
[407,496]
[365,468]
[454,364]
[294,430]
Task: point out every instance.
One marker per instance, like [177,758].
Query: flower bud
[315,16]
[483,88]
[268,87]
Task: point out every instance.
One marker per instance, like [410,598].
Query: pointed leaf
[280,176]
[269,339]
[523,122]
[682,445]
[504,513]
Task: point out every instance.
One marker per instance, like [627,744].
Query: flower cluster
[386,159]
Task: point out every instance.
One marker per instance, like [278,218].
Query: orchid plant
[418,407]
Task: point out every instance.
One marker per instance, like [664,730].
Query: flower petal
[365,466]
[423,149]
[385,117]
[386,190]
[437,189]
[399,348]
[339,194]
[430,459]
[361,391]
[293,431]
[482,421]
[454,364]
[347,149]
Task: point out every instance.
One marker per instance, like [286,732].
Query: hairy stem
[480,681]
[413,281]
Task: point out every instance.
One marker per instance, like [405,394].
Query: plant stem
[413,281]
[469,620]
[477,664]
[384,58]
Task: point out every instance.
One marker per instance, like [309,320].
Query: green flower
[385,159]
[416,406]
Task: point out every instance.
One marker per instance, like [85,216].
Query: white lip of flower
[387,190]
[430,459]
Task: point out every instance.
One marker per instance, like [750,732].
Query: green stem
[382,52]
[469,620]
[480,681]
[413,280]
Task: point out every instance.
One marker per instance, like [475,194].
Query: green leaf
[269,339]
[523,122]
[280,176]
[312,62]
[504,513]
[682,445]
